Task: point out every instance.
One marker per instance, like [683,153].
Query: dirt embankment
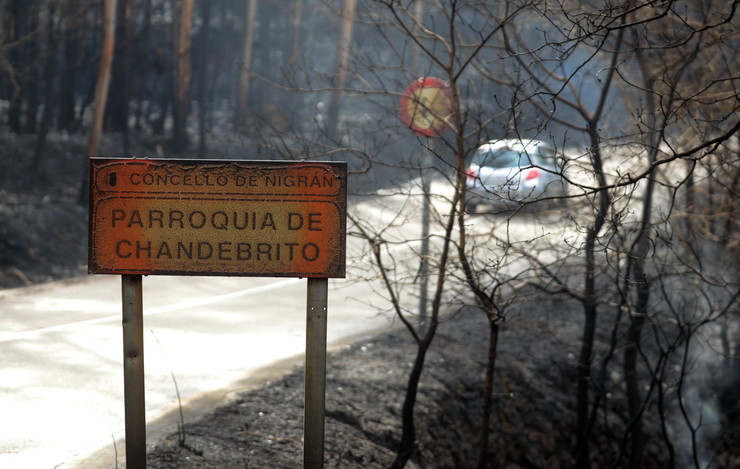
[365,390]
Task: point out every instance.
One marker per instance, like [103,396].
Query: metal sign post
[315,379]
[133,371]
[426,107]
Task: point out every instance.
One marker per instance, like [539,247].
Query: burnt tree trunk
[120,80]
[181,72]
[408,429]
[240,118]
[101,89]
[488,393]
[202,77]
[340,80]
[49,79]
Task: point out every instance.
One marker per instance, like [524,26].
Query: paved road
[61,376]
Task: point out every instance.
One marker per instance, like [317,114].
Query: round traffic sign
[426,105]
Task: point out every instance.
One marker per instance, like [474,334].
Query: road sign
[426,106]
[217,217]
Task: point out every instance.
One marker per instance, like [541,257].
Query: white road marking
[10,336]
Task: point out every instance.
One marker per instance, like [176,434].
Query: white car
[507,173]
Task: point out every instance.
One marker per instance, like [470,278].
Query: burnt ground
[43,228]
[43,237]
[365,389]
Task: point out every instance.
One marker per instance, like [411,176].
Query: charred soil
[365,388]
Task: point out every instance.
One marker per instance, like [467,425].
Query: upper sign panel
[209,217]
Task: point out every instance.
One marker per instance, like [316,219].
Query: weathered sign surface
[217,217]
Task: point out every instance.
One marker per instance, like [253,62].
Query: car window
[502,158]
[547,154]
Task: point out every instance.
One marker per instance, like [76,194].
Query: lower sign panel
[217,218]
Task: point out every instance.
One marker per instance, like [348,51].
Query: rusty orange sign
[217,217]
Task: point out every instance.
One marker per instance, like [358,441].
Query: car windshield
[503,158]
